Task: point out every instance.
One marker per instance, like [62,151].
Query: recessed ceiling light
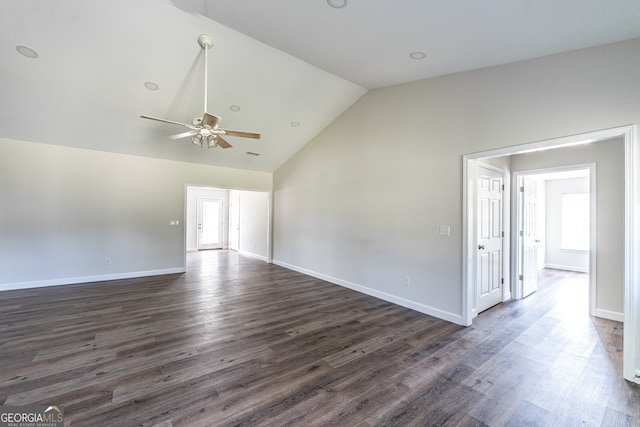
[338,4]
[27,51]
[234,108]
[295,124]
[251,153]
[417,55]
[151,85]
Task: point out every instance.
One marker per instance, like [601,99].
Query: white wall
[254,223]
[556,256]
[361,204]
[64,210]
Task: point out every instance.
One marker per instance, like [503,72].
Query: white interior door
[210,223]
[489,277]
[528,236]
[234,224]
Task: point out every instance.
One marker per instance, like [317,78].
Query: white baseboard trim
[610,315]
[252,255]
[88,279]
[431,311]
[567,268]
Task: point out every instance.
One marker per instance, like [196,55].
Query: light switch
[445,230]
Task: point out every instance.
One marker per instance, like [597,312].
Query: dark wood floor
[236,341]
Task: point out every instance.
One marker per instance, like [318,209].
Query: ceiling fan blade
[183,134]
[210,120]
[169,121]
[223,143]
[241,133]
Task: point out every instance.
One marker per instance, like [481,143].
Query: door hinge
[502,281]
[522,189]
[502,233]
[520,277]
[521,233]
[502,187]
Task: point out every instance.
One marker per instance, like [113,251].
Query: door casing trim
[631,353]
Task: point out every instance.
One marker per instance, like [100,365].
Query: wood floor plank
[531,415]
[239,342]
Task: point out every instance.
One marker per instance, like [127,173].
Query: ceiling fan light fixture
[211,141]
[197,139]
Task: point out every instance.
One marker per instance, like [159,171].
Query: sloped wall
[362,203]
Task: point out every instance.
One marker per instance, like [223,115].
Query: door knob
[480,247]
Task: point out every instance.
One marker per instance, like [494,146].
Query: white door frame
[631,355]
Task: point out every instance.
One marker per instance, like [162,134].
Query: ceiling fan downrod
[205,41]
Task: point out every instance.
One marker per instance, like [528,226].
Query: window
[575,222]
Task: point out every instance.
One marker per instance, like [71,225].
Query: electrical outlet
[407,281]
[445,230]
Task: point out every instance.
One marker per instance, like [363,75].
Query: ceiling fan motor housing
[205,41]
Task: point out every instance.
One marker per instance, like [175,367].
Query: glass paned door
[210,222]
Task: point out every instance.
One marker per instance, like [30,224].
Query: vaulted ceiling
[283,68]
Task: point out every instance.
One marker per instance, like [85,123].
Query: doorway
[630,249]
[245,220]
[556,225]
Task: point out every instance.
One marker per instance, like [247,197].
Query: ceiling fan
[205,130]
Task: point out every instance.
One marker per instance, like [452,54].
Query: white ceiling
[281,61]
